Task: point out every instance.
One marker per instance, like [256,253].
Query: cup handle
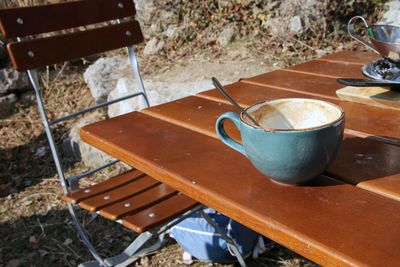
[354,35]
[223,136]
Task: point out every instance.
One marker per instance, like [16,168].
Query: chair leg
[84,237]
[231,244]
[133,252]
[130,250]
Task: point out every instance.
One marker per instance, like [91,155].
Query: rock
[180,82]
[12,81]
[157,92]
[171,31]
[41,151]
[392,14]
[102,76]
[295,26]
[27,98]
[144,9]
[153,46]
[294,17]
[124,87]
[287,8]
[167,16]
[74,147]
[226,37]
[7,104]
[274,25]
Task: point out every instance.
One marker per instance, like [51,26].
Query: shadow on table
[364,159]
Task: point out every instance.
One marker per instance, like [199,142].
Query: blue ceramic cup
[296,142]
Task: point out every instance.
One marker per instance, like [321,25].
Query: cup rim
[341,117]
[373,38]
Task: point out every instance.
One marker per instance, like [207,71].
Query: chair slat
[159,213]
[138,186]
[138,202]
[24,21]
[111,183]
[46,51]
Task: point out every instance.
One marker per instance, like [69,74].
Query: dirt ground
[35,226]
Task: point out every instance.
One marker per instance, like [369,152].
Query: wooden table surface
[348,216]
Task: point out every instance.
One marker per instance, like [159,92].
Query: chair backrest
[77,29]
[28,50]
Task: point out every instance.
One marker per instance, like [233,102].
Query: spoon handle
[221,89]
[366,82]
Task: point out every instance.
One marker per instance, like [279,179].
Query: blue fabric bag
[198,238]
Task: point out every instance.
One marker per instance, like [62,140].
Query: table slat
[369,164]
[298,82]
[352,57]
[334,224]
[96,189]
[328,69]
[110,197]
[361,120]
[139,202]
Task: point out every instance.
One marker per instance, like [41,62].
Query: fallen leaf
[43,252]
[33,242]
[8,155]
[68,241]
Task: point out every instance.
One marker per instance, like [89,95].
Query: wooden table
[348,216]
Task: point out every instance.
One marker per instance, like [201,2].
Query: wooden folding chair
[133,199]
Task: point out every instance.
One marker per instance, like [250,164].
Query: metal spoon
[221,89]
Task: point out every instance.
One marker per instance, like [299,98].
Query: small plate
[382,69]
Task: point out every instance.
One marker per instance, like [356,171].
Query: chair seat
[133,197]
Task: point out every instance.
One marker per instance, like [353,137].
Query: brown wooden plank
[352,57]
[138,202]
[46,51]
[370,164]
[185,113]
[247,94]
[298,83]
[111,183]
[382,97]
[23,21]
[328,69]
[110,197]
[372,122]
[303,218]
[194,113]
[361,120]
[160,213]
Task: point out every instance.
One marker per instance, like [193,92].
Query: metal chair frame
[134,250]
